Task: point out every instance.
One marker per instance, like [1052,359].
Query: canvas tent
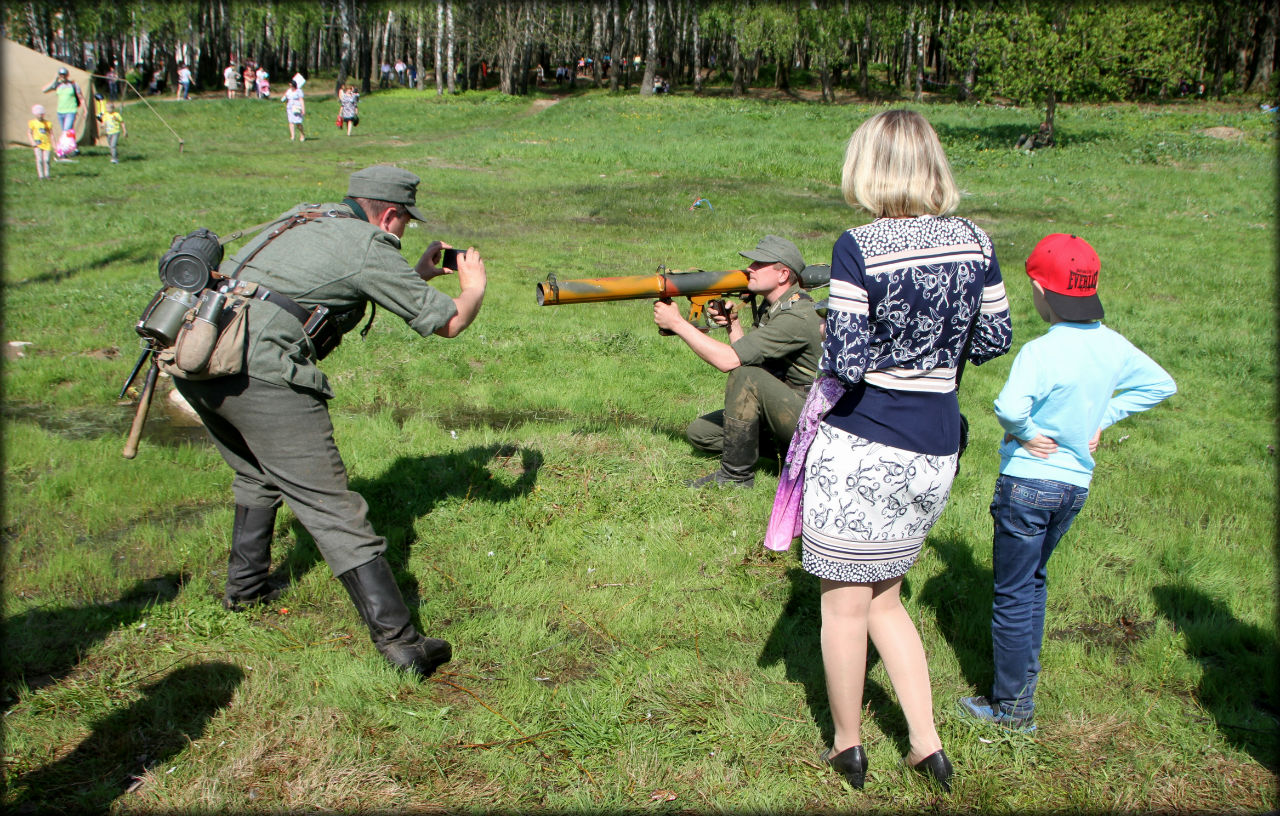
[26,74]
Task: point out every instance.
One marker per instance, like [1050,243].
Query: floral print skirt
[867,506]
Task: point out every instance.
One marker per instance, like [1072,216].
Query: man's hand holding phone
[438,259]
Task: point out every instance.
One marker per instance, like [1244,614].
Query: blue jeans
[1031,516]
[67,121]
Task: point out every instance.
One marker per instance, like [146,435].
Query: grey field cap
[382,182]
[773,249]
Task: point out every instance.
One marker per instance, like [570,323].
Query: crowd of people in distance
[404,74]
[250,78]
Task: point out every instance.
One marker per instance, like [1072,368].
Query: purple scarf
[784,520]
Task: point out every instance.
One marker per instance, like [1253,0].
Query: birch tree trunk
[697,54]
[346,22]
[617,60]
[451,75]
[440,71]
[386,34]
[650,49]
[419,54]
[597,42]
[921,27]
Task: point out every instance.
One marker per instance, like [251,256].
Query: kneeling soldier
[770,369]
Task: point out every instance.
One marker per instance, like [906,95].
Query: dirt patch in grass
[1121,632]
[1224,132]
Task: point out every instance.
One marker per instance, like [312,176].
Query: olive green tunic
[788,340]
[337,262]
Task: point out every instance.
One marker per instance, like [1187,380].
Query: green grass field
[622,642]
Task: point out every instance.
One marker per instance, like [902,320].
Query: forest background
[1020,51]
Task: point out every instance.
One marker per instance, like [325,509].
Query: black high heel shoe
[938,767]
[851,763]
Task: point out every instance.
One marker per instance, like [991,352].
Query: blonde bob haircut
[894,167]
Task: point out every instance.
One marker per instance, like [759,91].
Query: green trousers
[751,394]
[279,442]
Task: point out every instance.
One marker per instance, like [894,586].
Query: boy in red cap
[1064,388]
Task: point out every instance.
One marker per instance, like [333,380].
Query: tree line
[1024,51]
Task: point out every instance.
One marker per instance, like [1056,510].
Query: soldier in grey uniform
[770,369]
[271,422]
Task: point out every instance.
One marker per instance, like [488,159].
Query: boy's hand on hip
[1039,446]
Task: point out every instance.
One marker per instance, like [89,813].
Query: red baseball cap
[1067,267]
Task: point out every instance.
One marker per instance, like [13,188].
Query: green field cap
[382,182]
[773,249]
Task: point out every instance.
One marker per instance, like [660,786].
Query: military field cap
[773,249]
[382,182]
[1067,267]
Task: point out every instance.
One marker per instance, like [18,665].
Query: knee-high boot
[738,459]
[250,561]
[373,590]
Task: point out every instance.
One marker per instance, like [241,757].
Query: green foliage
[619,639]
[1080,51]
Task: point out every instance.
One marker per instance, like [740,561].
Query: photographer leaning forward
[271,422]
[770,369]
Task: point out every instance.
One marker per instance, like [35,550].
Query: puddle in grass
[166,425]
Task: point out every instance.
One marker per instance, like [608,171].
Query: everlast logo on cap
[1066,267]
[1082,280]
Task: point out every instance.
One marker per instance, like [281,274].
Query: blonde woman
[907,290]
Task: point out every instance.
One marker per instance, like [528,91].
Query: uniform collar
[356,209]
[786,296]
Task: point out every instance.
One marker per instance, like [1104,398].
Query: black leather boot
[738,459]
[250,561]
[373,590]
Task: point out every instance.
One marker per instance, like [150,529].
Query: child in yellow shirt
[41,131]
[113,128]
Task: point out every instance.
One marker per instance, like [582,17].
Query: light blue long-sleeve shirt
[1075,380]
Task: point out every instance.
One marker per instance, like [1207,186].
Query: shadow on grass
[58,275]
[411,488]
[796,640]
[42,645]
[1238,686]
[960,597]
[172,713]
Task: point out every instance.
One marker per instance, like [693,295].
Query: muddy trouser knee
[752,393]
[279,442]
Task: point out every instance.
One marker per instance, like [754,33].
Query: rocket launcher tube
[698,285]
[635,287]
